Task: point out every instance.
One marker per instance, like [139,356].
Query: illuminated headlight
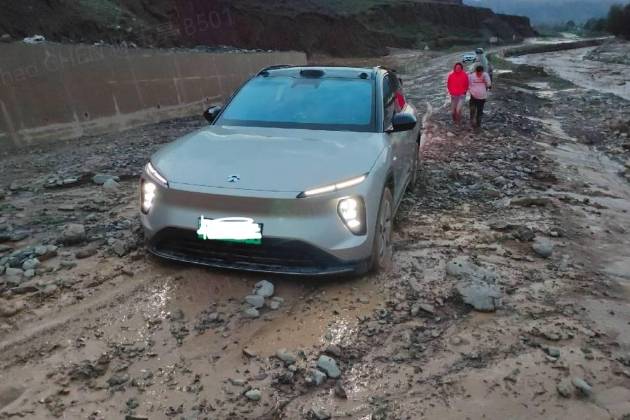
[147,195]
[153,173]
[352,212]
[333,187]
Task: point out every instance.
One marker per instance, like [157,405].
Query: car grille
[273,255]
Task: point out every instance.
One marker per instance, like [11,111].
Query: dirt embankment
[312,26]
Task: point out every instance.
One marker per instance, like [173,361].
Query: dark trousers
[476,110]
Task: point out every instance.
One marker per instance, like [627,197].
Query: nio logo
[233,178]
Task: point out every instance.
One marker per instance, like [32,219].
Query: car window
[298,102]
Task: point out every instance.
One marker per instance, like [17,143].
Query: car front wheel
[382,252]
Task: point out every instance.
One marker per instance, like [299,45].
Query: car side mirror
[212,113]
[403,121]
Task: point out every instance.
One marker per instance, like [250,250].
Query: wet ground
[102,330]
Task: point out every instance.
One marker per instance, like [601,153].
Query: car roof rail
[265,71]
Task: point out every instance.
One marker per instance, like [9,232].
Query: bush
[619,21]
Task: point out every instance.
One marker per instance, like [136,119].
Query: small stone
[118,379]
[315,377]
[10,308]
[120,248]
[249,353]
[482,296]
[111,185]
[238,381]
[49,290]
[286,357]
[320,413]
[253,395]
[543,247]
[251,313]
[565,388]
[30,264]
[101,179]
[340,391]
[329,366]
[73,234]
[264,288]
[553,352]
[86,252]
[255,301]
[29,274]
[582,386]
[275,303]
[66,207]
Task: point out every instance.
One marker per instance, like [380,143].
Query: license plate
[230,229]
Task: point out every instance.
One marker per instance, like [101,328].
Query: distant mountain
[546,11]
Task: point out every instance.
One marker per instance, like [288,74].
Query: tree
[619,21]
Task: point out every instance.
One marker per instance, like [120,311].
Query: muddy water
[571,65]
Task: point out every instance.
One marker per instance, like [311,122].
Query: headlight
[333,187]
[147,195]
[352,212]
[153,173]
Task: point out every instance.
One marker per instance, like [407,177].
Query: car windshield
[312,103]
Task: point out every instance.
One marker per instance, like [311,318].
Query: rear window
[297,102]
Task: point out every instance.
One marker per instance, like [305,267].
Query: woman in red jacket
[457,84]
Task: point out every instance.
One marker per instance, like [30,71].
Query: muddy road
[509,296]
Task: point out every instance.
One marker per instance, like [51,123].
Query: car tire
[382,249]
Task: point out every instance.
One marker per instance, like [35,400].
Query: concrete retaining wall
[59,92]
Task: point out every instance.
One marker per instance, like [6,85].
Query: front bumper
[301,236]
[274,255]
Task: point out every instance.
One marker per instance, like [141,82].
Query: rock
[120,248]
[255,301]
[584,388]
[118,379]
[543,247]
[531,201]
[329,366]
[45,253]
[482,296]
[422,307]
[6,38]
[340,391]
[2,194]
[101,179]
[237,381]
[286,357]
[49,290]
[11,308]
[30,264]
[275,303]
[264,288]
[525,234]
[14,276]
[253,395]
[86,252]
[315,377]
[565,388]
[320,413]
[110,185]
[73,233]
[29,274]
[251,313]
[553,352]
[475,284]
[249,353]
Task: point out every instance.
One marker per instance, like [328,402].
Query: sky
[550,11]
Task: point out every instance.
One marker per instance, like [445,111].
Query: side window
[389,103]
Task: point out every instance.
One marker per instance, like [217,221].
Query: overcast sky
[550,11]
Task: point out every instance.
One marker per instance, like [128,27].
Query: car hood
[268,159]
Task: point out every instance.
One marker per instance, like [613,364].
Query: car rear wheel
[382,251]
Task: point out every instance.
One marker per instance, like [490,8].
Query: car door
[396,140]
